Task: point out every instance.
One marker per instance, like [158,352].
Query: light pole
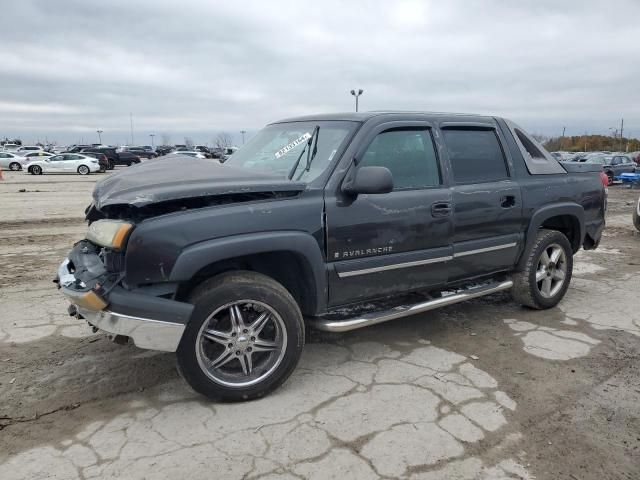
[614,132]
[243,132]
[152,135]
[99,136]
[360,92]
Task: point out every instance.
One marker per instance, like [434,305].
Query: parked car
[29,148]
[227,265]
[127,158]
[64,163]
[12,161]
[102,160]
[142,153]
[188,154]
[115,157]
[36,153]
[77,148]
[163,150]
[613,165]
[10,147]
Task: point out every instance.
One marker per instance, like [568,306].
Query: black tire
[36,170]
[610,178]
[217,293]
[15,167]
[636,215]
[526,290]
[84,170]
[128,164]
[111,165]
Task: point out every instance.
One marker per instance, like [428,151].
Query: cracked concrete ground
[482,390]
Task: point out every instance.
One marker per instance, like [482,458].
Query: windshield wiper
[310,155]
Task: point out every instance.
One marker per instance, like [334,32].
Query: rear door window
[475,156]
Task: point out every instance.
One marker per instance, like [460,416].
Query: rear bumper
[153,323]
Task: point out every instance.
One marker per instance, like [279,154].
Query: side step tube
[374,318]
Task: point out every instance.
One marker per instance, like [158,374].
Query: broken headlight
[109,233]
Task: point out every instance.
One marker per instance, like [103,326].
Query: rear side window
[409,155]
[530,148]
[475,156]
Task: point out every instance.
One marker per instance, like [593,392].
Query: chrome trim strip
[484,250]
[374,318]
[364,271]
[145,332]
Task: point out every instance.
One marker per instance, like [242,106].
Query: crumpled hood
[180,177]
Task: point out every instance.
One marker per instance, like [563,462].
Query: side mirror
[370,180]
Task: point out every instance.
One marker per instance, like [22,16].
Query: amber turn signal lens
[92,301]
[121,235]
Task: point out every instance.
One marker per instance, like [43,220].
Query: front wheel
[36,170]
[244,339]
[547,272]
[15,166]
[83,170]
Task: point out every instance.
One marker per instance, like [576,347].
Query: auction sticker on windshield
[293,144]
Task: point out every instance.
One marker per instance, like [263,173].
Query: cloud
[198,67]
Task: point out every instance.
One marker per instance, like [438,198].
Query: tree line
[589,143]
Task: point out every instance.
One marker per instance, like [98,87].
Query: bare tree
[188,142]
[224,140]
[166,139]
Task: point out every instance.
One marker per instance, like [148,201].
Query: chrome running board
[368,319]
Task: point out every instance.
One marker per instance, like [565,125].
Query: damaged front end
[92,280]
[106,276]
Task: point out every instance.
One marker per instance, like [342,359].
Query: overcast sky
[194,68]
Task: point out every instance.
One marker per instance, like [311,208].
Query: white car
[12,161]
[37,154]
[10,147]
[189,154]
[28,148]
[64,163]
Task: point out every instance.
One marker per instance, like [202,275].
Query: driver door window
[409,155]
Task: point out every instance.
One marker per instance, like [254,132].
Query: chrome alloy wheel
[241,343]
[551,271]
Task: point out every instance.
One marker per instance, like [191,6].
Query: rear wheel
[83,170]
[244,338]
[547,273]
[36,170]
[15,166]
[610,178]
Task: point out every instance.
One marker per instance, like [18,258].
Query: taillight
[604,179]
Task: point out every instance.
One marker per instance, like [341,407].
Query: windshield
[275,148]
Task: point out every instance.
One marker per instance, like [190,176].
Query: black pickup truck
[331,221]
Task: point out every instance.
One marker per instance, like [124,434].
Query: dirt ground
[483,390]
